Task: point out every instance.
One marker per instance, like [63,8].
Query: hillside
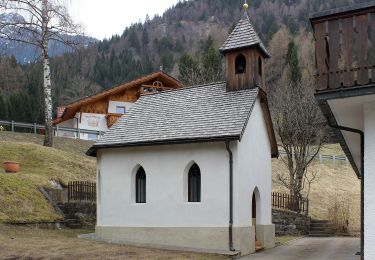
[20,200]
[143,48]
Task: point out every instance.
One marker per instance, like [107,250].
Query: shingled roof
[243,36]
[188,115]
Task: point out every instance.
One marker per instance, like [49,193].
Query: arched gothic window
[240,65]
[194,184]
[140,186]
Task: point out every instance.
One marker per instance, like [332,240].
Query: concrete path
[309,248]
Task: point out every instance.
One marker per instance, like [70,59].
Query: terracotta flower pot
[11,167]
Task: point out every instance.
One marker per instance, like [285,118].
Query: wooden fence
[82,191]
[288,202]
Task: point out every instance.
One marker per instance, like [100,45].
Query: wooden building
[100,111]
[345,92]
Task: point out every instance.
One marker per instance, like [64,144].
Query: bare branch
[37,22]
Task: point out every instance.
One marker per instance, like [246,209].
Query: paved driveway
[331,248]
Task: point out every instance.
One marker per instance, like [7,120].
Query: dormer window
[240,64]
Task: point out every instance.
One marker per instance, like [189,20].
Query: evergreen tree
[133,39]
[3,107]
[189,72]
[145,39]
[294,69]
[212,63]
[167,61]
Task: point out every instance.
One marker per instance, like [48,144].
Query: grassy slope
[20,200]
[334,182]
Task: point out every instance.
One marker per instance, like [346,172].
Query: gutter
[93,149]
[227,142]
[362,135]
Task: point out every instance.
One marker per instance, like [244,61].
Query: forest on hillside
[186,37]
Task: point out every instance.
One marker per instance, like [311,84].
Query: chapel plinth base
[199,239]
[266,235]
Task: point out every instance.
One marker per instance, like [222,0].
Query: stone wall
[290,223]
[84,212]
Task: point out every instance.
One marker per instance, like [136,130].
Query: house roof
[242,36]
[188,115]
[73,108]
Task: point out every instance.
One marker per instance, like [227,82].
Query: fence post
[69,185]
[12,125]
[79,133]
[57,130]
[334,159]
[34,128]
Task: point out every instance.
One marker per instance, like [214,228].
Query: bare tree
[301,130]
[37,22]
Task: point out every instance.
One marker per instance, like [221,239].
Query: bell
[240,69]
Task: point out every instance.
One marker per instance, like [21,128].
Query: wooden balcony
[345,47]
[112,118]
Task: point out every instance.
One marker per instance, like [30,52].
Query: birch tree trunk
[47,88]
[48,138]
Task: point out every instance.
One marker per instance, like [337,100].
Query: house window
[240,64]
[140,186]
[194,184]
[93,136]
[120,110]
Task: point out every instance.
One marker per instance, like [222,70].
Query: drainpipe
[362,135]
[230,196]
[78,133]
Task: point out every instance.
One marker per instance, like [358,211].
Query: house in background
[100,111]
[191,168]
[345,91]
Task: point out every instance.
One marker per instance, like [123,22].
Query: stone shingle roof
[205,112]
[243,35]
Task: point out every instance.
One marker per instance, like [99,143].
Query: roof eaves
[122,86]
[328,114]
[260,45]
[92,151]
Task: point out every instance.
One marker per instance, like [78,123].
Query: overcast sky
[103,18]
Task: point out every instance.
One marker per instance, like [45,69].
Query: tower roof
[243,36]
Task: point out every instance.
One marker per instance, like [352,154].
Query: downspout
[78,134]
[230,196]
[362,135]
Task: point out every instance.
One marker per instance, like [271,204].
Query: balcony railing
[345,47]
[112,118]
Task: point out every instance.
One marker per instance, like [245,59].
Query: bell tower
[244,54]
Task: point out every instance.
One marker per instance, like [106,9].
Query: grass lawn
[20,199]
[78,147]
[31,243]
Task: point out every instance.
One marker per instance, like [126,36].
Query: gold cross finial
[245,6]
